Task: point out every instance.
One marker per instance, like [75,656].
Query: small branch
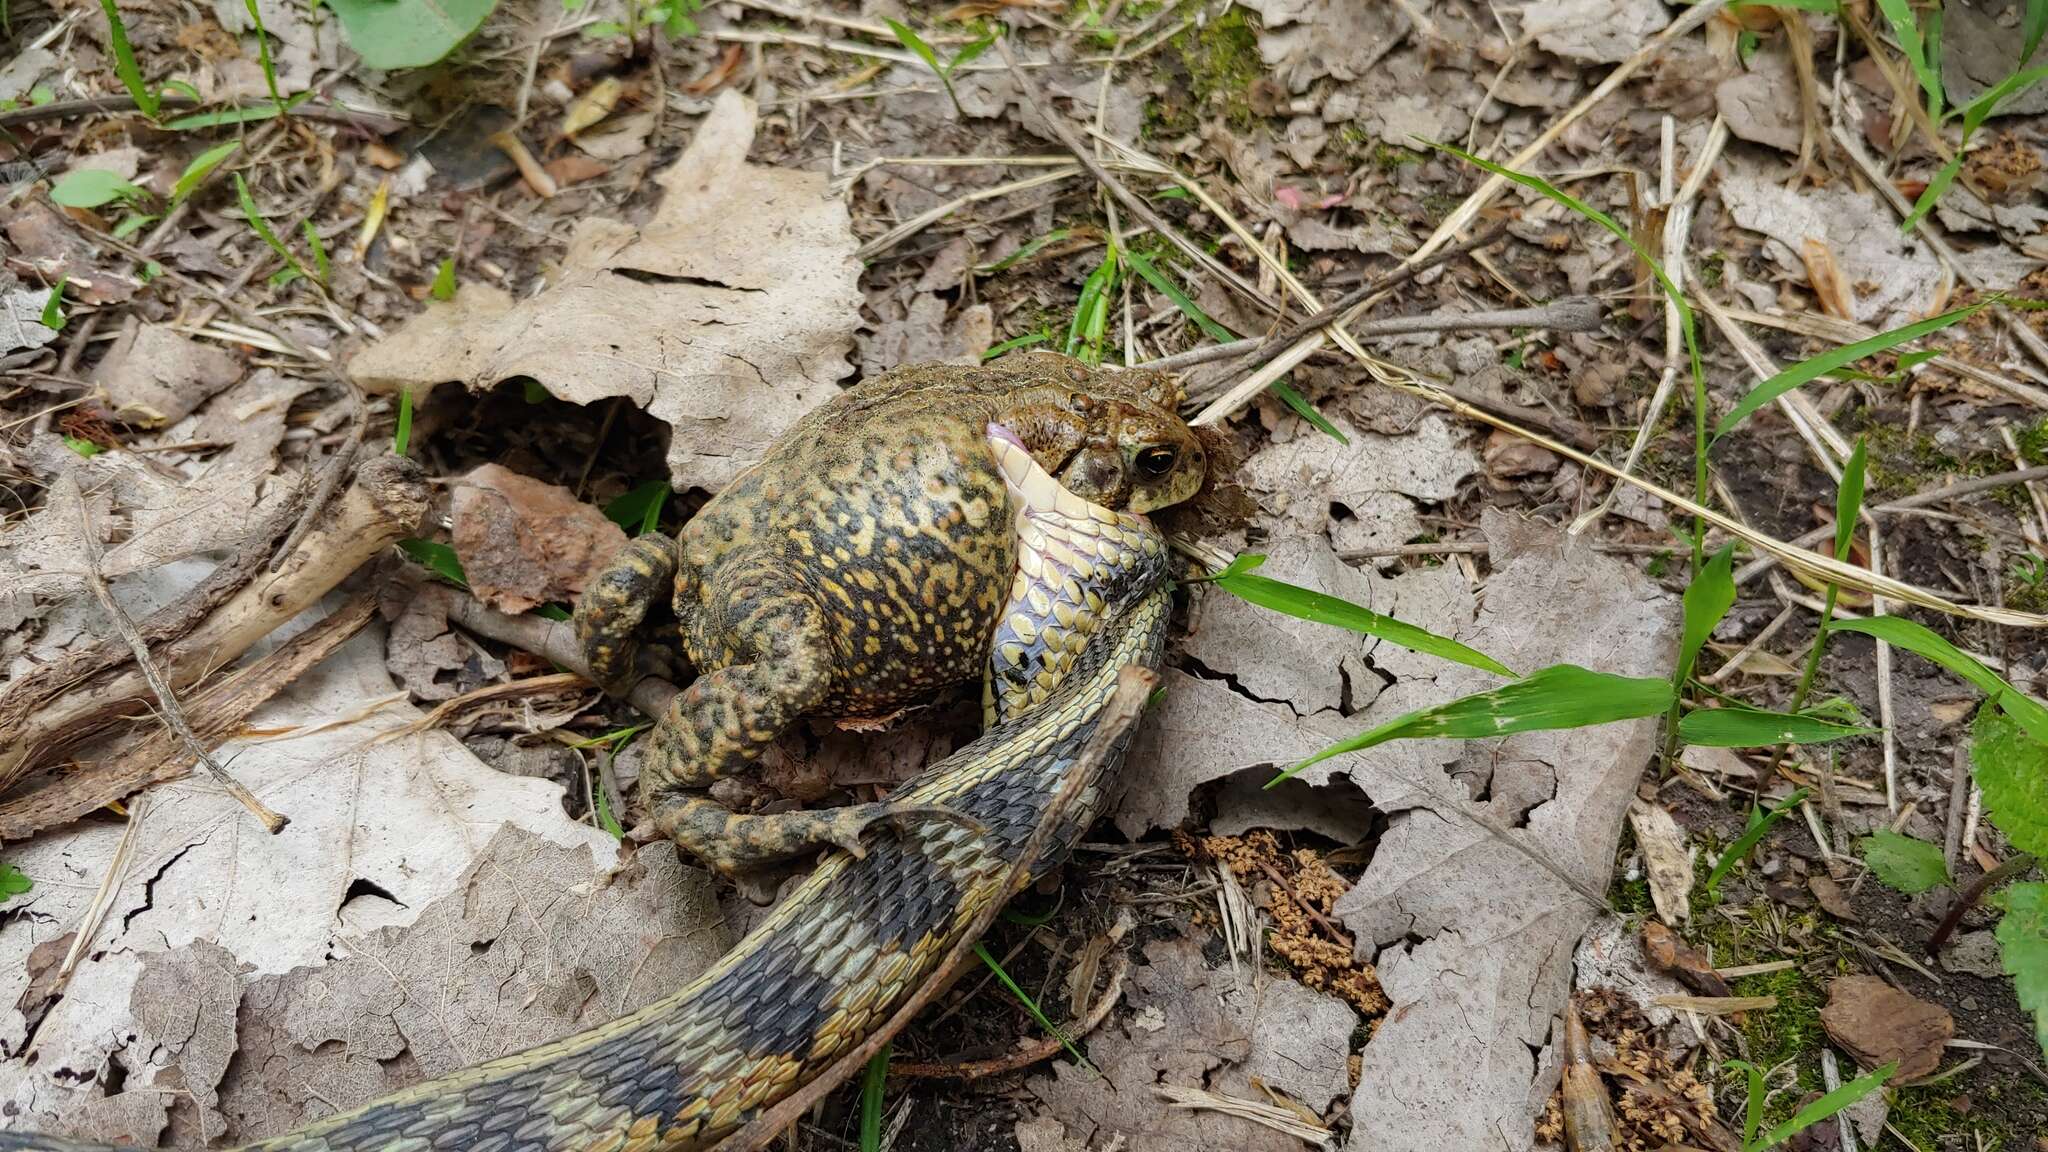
[1969,896]
[551,639]
[377,122]
[173,715]
[1578,314]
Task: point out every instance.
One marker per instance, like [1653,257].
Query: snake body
[860,935]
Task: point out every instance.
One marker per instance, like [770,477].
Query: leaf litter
[1305,119]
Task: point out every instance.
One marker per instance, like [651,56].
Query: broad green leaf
[1849,500]
[12,882]
[437,557]
[1759,823]
[1824,1107]
[639,511]
[2012,769]
[82,446]
[1707,598]
[444,281]
[91,187]
[1740,726]
[124,62]
[2023,949]
[197,170]
[1560,696]
[131,224]
[1922,641]
[1308,604]
[1835,358]
[1904,863]
[408,33]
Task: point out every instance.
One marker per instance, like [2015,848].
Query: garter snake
[861,934]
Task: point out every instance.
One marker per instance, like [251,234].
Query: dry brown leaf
[1666,860]
[726,316]
[524,542]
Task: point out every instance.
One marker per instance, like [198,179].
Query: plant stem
[1968,898]
[1799,693]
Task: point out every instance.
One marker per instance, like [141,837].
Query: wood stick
[173,713]
[383,505]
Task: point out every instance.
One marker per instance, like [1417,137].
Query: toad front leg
[729,716]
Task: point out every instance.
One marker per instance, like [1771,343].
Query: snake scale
[861,934]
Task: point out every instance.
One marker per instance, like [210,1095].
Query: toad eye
[1157,461]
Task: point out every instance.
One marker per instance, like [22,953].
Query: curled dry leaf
[1877,1024]
[726,316]
[1666,860]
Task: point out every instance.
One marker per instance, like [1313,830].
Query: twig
[173,715]
[377,122]
[1360,297]
[1929,498]
[1134,204]
[1134,684]
[1576,314]
[1968,898]
[1044,1048]
[551,639]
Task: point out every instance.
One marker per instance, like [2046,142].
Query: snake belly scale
[859,935]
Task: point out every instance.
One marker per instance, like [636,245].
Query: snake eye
[1157,461]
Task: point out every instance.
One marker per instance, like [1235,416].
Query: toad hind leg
[727,717]
[611,610]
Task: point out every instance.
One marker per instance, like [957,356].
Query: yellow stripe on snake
[858,937]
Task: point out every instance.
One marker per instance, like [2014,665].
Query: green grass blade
[197,170]
[262,226]
[1899,14]
[1753,1099]
[1824,1107]
[1834,358]
[263,55]
[401,436]
[1300,406]
[1031,248]
[321,268]
[1740,726]
[53,308]
[871,1082]
[124,62]
[1025,341]
[1708,597]
[639,511]
[2032,25]
[1031,1006]
[1143,266]
[968,53]
[1918,639]
[443,288]
[1308,604]
[1849,499]
[1560,696]
[1758,825]
[908,37]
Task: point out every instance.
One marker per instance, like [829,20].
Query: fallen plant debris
[1414,261]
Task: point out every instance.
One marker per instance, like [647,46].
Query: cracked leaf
[726,316]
